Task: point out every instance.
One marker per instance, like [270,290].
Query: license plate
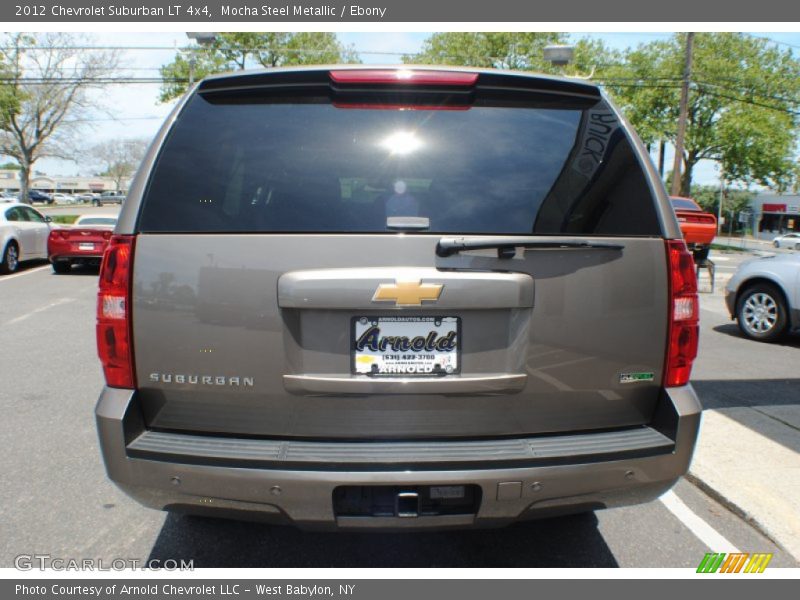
[406,346]
[85,246]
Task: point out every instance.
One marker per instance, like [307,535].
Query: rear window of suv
[308,166]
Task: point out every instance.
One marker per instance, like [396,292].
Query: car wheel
[701,254]
[61,267]
[761,313]
[776,243]
[797,246]
[10,259]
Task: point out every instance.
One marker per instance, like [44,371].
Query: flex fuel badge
[636,377]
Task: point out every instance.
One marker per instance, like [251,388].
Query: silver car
[360,298]
[764,296]
[787,240]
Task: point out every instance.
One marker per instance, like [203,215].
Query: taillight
[114,337]
[404,77]
[683,315]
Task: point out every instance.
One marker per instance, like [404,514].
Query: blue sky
[133,110]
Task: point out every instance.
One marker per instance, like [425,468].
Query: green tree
[743,104]
[522,51]
[232,51]
[707,196]
[504,50]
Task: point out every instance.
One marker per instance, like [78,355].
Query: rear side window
[309,166]
[684,204]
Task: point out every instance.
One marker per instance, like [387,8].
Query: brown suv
[398,298]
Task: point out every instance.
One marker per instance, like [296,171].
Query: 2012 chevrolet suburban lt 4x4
[352,297]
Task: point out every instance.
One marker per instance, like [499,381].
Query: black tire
[776,243]
[61,267]
[10,262]
[701,254]
[797,246]
[761,312]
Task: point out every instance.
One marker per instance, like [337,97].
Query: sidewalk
[748,453]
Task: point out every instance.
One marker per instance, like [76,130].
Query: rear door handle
[356,289]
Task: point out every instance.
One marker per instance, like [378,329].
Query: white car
[60,198]
[764,296]
[23,235]
[99,221]
[787,240]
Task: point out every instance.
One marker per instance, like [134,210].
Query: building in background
[9,182]
[775,214]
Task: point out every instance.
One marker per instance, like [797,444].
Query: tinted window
[312,167]
[684,204]
[13,214]
[31,215]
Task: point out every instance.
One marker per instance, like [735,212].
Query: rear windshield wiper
[507,245]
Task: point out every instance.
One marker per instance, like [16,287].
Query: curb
[734,508]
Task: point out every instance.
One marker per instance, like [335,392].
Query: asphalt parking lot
[56,499]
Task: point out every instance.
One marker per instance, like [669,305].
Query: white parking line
[704,532]
[28,272]
[58,302]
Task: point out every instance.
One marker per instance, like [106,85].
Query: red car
[699,228]
[82,243]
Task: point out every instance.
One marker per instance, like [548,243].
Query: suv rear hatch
[398,255]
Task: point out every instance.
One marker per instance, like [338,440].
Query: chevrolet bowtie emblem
[407,293]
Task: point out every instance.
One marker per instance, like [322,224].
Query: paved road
[56,499]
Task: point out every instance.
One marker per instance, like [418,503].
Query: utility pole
[684,110]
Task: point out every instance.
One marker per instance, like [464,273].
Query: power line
[774,41]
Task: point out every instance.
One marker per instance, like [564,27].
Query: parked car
[699,227]
[763,296]
[23,235]
[60,198]
[82,243]
[332,280]
[87,196]
[787,240]
[36,196]
[109,198]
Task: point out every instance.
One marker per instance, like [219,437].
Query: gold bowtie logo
[408,293]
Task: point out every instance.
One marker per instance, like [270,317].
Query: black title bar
[388,11]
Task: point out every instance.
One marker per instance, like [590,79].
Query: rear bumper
[92,256]
[293,483]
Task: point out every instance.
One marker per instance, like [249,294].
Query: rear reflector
[404,77]
[683,315]
[113,313]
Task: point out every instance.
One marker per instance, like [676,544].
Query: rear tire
[61,267]
[761,312]
[10,259]
[701,254]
